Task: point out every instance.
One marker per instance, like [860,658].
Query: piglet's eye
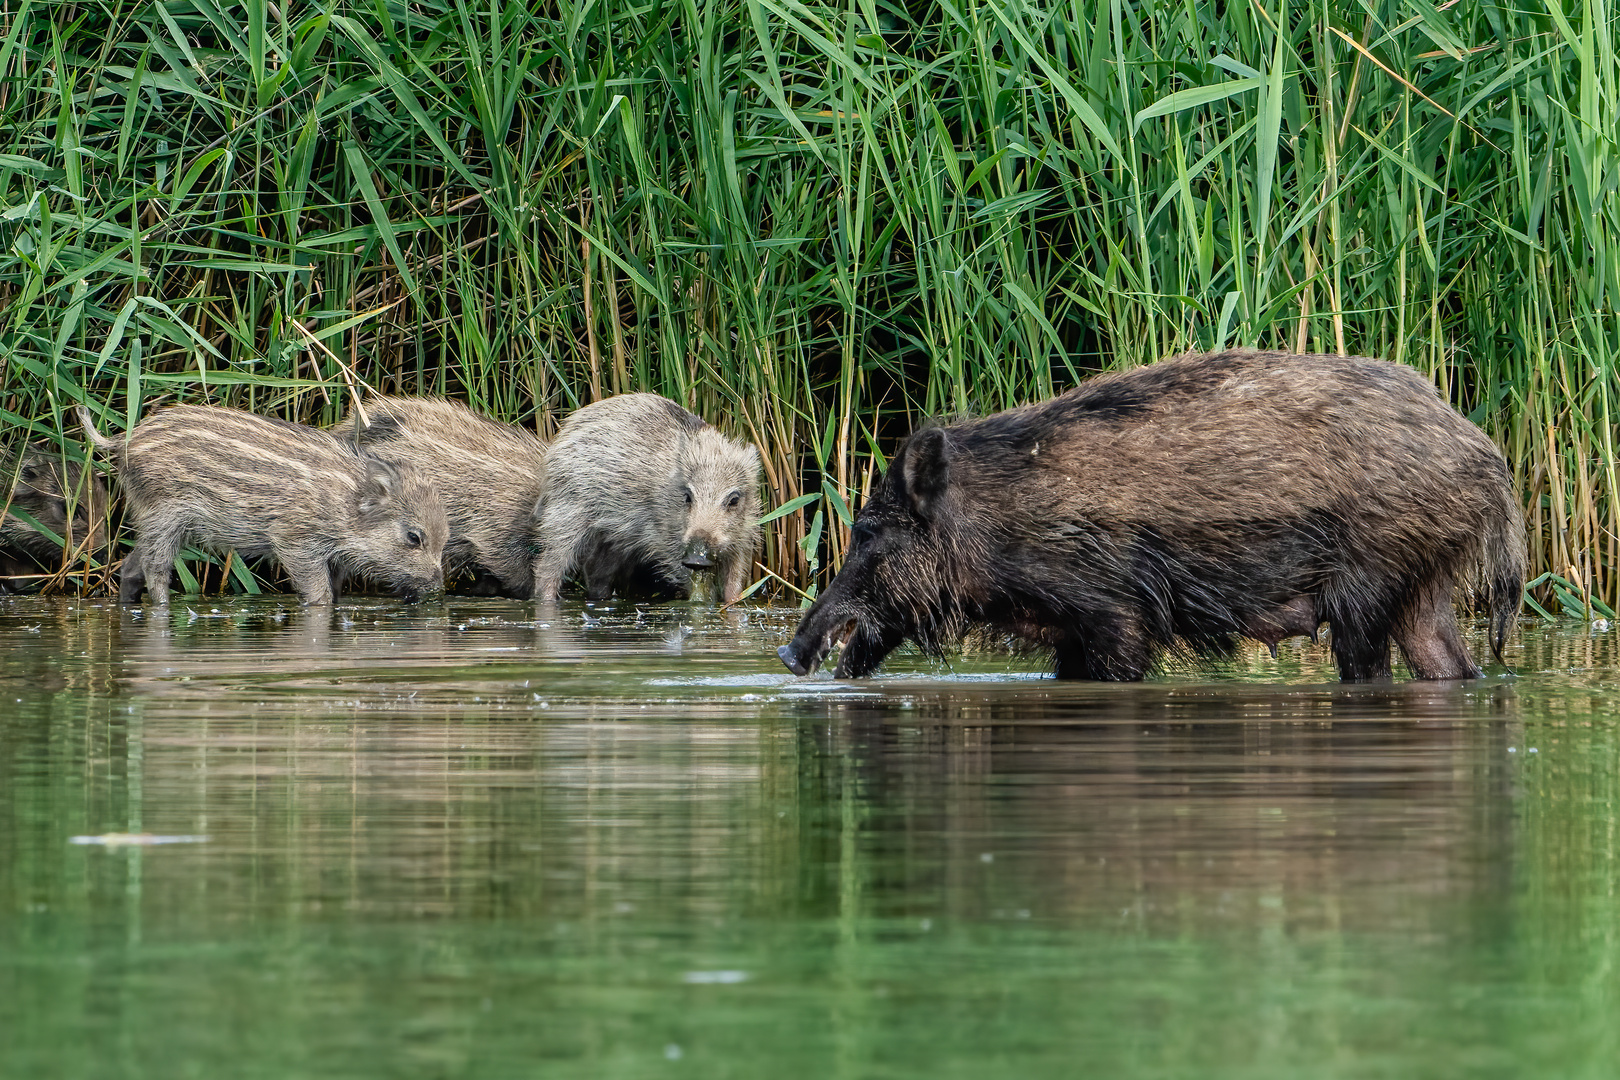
[736,498]
[413,537]
[688,494]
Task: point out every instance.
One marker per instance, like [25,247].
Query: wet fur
[613,508]
[1183,505]
[488,473]
[44,485]
[224,479]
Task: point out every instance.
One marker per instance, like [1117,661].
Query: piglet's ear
[380,487]
[376,427]
[32,470]
[925,469]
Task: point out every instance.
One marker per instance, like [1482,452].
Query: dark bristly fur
[1185,504]
[224,479]
[639,491]
[488,473]
[43,485]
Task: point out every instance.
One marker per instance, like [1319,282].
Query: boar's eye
[413,537]
[735,500]
[688,494]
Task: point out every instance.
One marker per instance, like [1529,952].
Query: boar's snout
[796,662]
[698,556]
[815,639]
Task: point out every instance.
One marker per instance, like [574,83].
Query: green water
[450,841]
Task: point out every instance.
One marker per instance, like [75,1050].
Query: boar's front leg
[310,577]
[1427,632]
[1360,651]
[1113,650]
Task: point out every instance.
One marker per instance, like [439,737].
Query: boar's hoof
[791,658]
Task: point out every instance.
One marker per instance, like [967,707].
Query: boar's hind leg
[1426,630]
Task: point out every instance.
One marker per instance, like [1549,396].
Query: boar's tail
[1504,563]
[102,443]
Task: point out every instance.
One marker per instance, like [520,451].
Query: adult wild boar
[1185,504]
[640,491]
[226,479]
[488,473]
[56,493]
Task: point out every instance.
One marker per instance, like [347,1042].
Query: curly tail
[101,442]
[1503,562]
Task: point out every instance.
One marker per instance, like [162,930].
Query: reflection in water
[467,839]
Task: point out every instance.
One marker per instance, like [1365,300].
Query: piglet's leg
[132,578]
[158,550]
[599,583]
[1426,630]
[733,576]
[311,579]
[561,533]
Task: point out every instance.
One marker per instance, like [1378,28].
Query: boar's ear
[925,470]
[380,486]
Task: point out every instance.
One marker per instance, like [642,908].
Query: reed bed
[814,223]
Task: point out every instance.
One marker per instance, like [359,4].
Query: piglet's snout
[698,556]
